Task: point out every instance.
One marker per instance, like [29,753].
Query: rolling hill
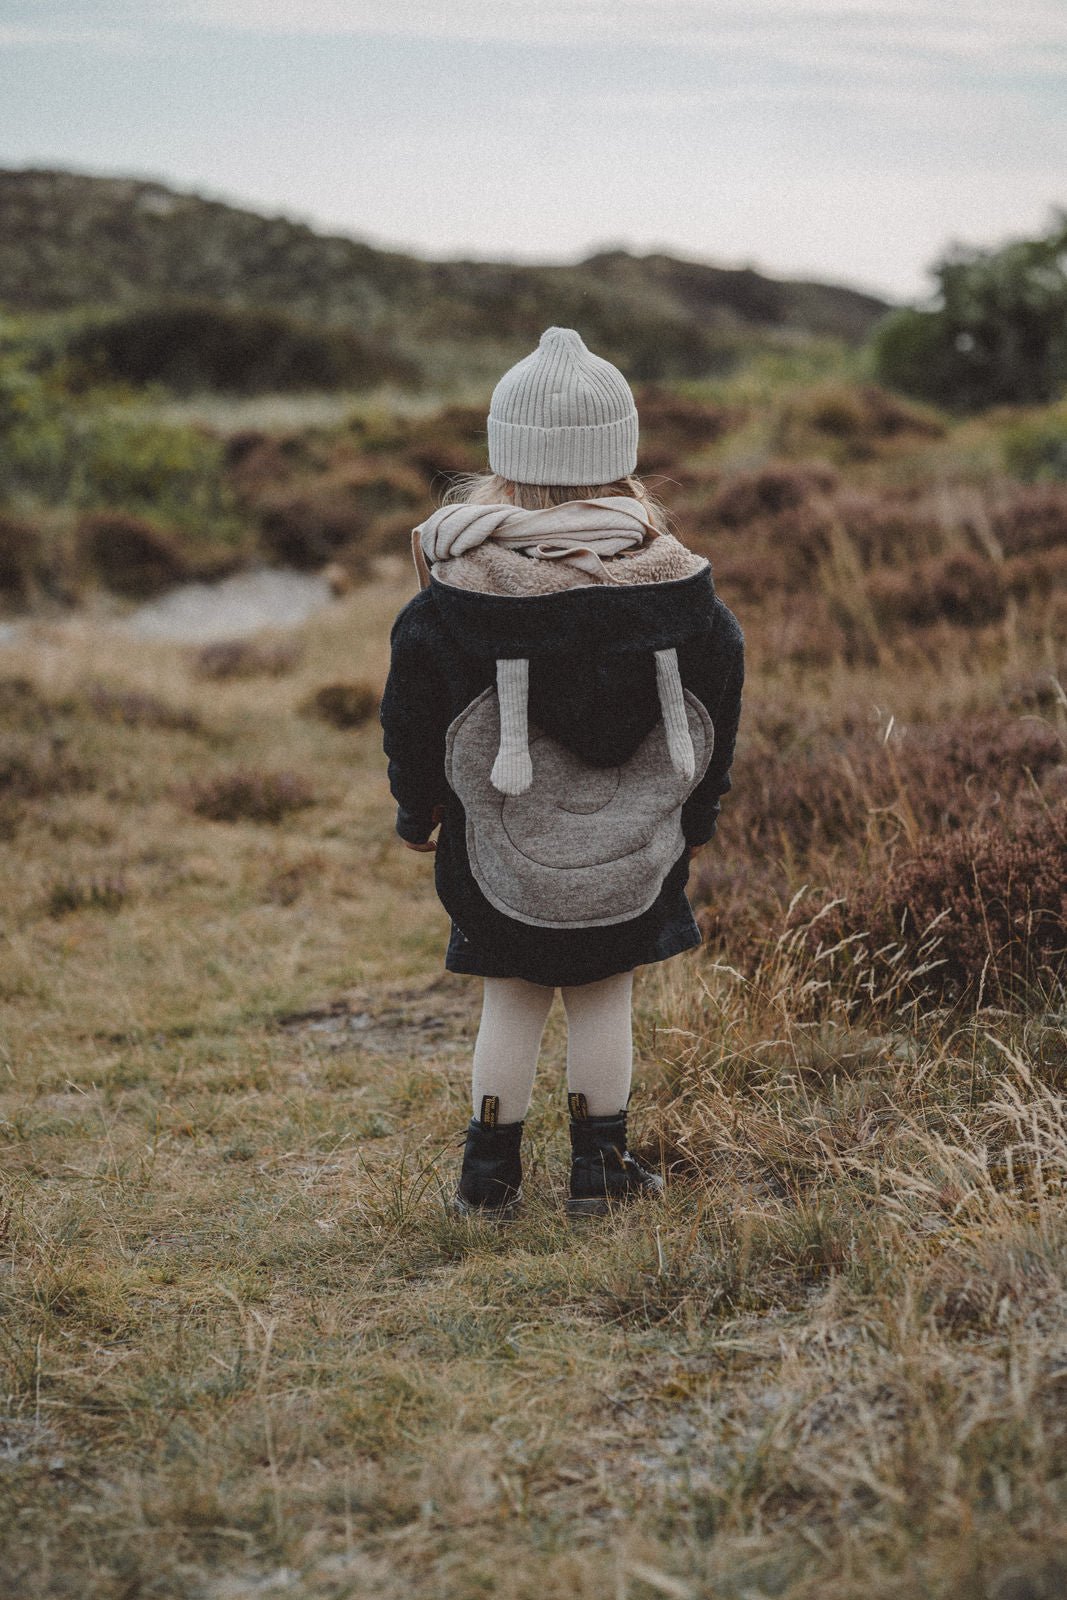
[99,244]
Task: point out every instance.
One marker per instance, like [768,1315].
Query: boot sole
[603,1206]
[506,1213]
[589,1208]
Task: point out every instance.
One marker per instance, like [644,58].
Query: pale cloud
[1031,32]
[1028,35]
[17,36]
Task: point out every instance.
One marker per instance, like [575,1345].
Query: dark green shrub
[997,333]
[1036,449]
[194,345]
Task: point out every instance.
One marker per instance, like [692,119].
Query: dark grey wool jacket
[592,688]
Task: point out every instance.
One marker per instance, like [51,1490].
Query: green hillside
[70,242]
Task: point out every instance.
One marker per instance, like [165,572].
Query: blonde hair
[489,488]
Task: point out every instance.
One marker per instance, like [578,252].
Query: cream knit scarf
[584,533]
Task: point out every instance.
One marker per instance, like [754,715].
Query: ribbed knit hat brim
[563,416]
[590,455]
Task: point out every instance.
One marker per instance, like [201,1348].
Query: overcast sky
[850,140]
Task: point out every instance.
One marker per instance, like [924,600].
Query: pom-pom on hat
[562,416]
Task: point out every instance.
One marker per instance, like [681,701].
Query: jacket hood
[594,664]
[498,603]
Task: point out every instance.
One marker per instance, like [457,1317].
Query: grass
[245,1349]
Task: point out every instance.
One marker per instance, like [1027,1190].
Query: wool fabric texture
[562,416]
[584,533]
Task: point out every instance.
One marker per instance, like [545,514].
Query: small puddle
[233,607]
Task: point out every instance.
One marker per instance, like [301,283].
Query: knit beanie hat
[562,415]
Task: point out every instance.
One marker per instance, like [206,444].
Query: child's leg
[600,1051]
[514,1014]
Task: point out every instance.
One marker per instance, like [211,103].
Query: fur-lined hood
[494,569]
[499,603]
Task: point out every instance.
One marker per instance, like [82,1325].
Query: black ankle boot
[490,1183]
[603,1172]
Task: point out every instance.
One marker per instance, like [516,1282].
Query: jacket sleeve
[414,718]
[700,812]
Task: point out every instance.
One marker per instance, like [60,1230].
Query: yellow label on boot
[490,1112]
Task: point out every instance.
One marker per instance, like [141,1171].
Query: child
[563,700]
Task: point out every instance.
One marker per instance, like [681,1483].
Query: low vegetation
[244,1347]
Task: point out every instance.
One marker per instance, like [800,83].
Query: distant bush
[56,451]
[316,520]
[250,795]
[1035,449]
[447,444]
[1031,518]
[673,424]
[857,420]
[20,559]
[197,345]
[68,895]
[963,587]
[748,496]
[137,708]
[344,705]
[248,658]
[38,768]
[998,333]
[131,556]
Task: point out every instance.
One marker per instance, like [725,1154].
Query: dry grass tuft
[244,1347]
[247,658]
[250,795]
[344,705]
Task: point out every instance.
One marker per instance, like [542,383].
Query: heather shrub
[130,556]
[250,795]
[318,519]
[963,587]
[855,420]
[247,658]
[306,527]
[447,444]
[835,788]
[38,768]
[987,904]
[20,559]
[889,528]
[344,705]
[1036,575]
[1038,691]
[749,497]
[67,895]
[1032,517]
[675,425]
[137,708]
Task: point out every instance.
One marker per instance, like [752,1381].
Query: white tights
[599,1043]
